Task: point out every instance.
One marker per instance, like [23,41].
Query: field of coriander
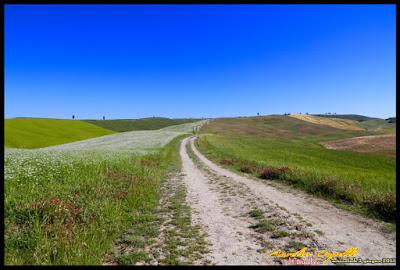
[65,204]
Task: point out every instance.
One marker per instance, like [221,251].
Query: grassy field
[288,149]
[355,117]
[378,125]
[367,123]
[40,132]
[67,205]
[152,123]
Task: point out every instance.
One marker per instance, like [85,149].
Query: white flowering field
[139,142]
[65,204]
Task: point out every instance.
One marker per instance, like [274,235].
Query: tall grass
[366,181]
[66,208]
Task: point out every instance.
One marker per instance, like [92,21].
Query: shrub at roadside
[381,205]
[274,173]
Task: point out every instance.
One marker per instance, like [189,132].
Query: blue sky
[137,61]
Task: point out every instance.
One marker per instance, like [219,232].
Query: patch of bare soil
[333,122]
[385,144]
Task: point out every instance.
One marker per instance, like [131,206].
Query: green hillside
[362,180]
[152,123]
[41,132]
[355,117]
[378,125]
[368,123]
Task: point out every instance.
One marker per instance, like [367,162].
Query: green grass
[256,213]
[294,246]
[279,234]
[263,226]
[69,210]
[184,242]
[378,125]
[153,123]
[367,181]
[132,258]
[40,132]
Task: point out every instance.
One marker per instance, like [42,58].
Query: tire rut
[322,225]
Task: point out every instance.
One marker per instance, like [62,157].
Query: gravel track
[221,200]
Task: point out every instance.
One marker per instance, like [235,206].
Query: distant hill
[355,117]
[391,120]
[277,126]
[151,123]
[379,125]
[368,123]
[41,132]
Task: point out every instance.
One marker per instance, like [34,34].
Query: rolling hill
[365,122]
[355,117]
[352,122]
[152,123]
[41,132]
[378,125]
[366,180]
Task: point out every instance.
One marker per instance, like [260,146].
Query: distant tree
[73,116]
[258,114]
[307,113]
[104,118]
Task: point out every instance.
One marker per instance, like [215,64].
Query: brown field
[380,144]
[333,122]
[277,126]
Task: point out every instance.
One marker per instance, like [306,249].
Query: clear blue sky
[198,60]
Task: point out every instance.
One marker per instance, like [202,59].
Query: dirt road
[286,219]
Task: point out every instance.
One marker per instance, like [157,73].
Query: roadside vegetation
[67,205]
[165,236]
[286,149]
[151,123]
[41,132]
